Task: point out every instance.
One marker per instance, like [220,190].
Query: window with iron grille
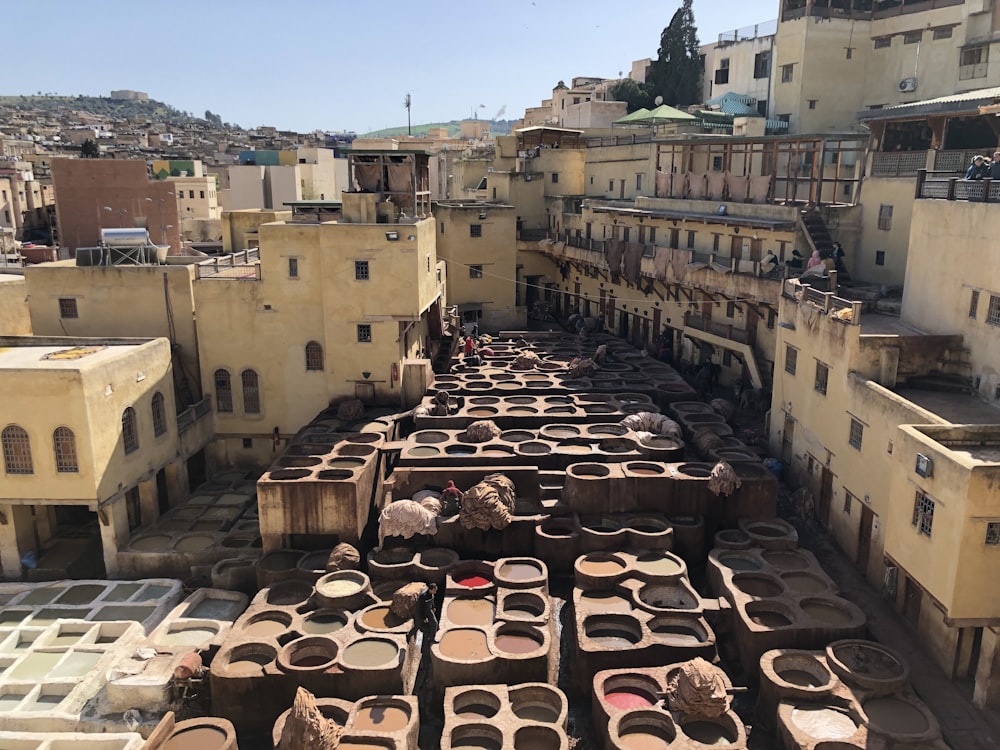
[475,230]
[16,450]
[993,532]
[364,333]
[133,508]
[791,359]
[361,270]
[857,433]
[722,74]
[923,513]
[476,271]
[690,242]
[787,73]
[993,313]
[882,42]
[974,304]
[293,268]
[251,391]
[848,501]
[314,356]
[975,55]
[943,32]
[67,308]
[64,447]
[913,37]
[159,415]
[762,64]
[555,177]
[885,217]
[822,375]
[130,431]
[223,391]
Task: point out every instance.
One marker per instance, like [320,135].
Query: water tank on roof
[128,237]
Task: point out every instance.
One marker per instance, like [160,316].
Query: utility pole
[406,103]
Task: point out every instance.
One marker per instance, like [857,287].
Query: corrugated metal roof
[965,101]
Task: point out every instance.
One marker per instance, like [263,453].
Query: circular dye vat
[267,626]
[805,583]
[600,567]
[785,559]
[381,618]
[677,632]
[523,605]
[473,581]
[381,719]
[828,613]
[423,451]
[197,738]
[194,543]
[516,643]
[575,449]
[482,411]
[345,463]
[801,678]
[757,585]
[477,704]
[470,612]
[645,738]
[521,400]
[896,716]
[322,623]
[465,644]
[823,723]
[517,436]
[460,450]
[738,562]
[770,619]
[658,565]
[155,543]
[249,664]
[370,652]
[520,571]
[605,601]
[709,733]
[629,698]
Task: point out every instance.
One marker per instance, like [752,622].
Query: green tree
[89,149]
[676,73]
[633,94]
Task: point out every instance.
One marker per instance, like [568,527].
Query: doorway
[912,596]
[162,495]
[865,538]
[787,438]
[825,497]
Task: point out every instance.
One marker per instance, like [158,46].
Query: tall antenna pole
[406,103]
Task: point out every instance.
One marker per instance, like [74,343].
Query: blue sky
[343,65]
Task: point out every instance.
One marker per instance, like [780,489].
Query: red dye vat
[626,699]
[472,581]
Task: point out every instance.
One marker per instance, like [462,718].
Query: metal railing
[244,265]
[945,186]
[620,140]
[187,418]
[767,28]
[532,235]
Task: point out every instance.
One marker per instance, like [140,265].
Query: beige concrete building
[73,490]
[14,317]
[740,62]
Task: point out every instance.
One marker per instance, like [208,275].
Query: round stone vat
[559,431]
[626,692]
[423,451]
[152,543]
[667,596]
[313,564]
[429,436]
[484,400]
[537,738]
[785,559]
[324,621]
[695,470]
[804,672]
[521,400]
[645,730]
[758,585]
[557,528]
[538,702]
[828,611]
[823,722]
[194,543]
[345,462]
[517,436]
[731,539]
[284,475]
[520,572]
[477,737]
[680,631]
[483,411]
[390,563]
[472,575]
[598,567]
[602,430]
[662,565]
[766,614]
[474,705]
[345,589]
[247,659]
[534,448]
[616,445]
[588,471]
[299,461]
[434,563]
[495,449]
[716,732]
[805,583]
[645,469]
[288,593]
[896,717]
[266,624]
[201,734]
[523,605]
[736,561]
[370,653]
[379,617]
[460,449]
[313,653]
[464,644]
[381,714]
[470,610]
[869,665]
[612,632]
[514,640]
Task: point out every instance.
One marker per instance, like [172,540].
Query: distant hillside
[97,105]
[498,127]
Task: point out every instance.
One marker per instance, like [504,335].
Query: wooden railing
[945,186]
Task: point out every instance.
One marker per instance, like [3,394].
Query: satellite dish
[658,101]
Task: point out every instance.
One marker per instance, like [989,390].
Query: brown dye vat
[248,665]
[895,716]
[736,562]
[322,623]
[756,585]
[801,678]
[658,565]
[804,583]
[482,411]
[575,449]
[823,723]
[519,571]
[367,652]
[645,738]
[524,604]
[645,472]
[266,627]
[828,613]
[785,560]
[381,618]
[603,601]
[562,432]
[770,619]
[600,567]
[521,400]
[197,738]
[423,451]
[381,719]
[476,703]
[471,611]
[677,633]
[516,644]
[466,644]
[708,733]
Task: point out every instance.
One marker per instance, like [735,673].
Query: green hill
[453,130]
[97,105]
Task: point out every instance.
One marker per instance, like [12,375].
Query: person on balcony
[995,166]
[978,169]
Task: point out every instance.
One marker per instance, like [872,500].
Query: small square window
[361,270]
[67,308]
[247,443]
[993,313]
[974,304]
[913,37]
[791,359]
[555,177]
[812,103]
[293,268]
[880,257]
[993,532]
[476,271]
[857,433]
[787,72]
[923,513]
[822,375]
[364,333]
[942,33]
[882,42]
[475,230]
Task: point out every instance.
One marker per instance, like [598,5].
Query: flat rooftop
[68,356]
[877,324]
[956,408]
[10,278]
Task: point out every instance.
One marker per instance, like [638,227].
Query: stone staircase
[815,229]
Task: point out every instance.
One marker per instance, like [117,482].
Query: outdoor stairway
[816,231]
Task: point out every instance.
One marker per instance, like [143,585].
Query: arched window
[314,356]
[159,415]
[130,433]
[223,391]
[251,392]
[16,450]
[64,445]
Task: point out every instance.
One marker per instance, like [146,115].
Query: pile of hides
[307,727]
[706,441]
[525,361]
[351,410]
[647,421]
[406,600]
[488,505]
[697,688]
[441,404]
[480,432]
[601,355]
[582,368]
[433,504]
[723,480]
[723,407]
[405,518]
[343,557]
